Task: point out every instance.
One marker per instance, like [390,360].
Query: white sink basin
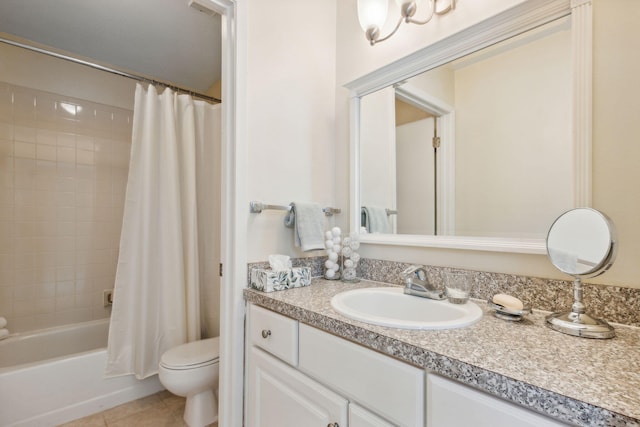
[391,307]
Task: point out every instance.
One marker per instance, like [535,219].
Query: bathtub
[52,376]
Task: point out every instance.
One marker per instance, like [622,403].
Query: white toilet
[191,370]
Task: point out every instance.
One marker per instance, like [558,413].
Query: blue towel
[307,220]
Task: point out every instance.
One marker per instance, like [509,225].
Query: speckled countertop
[581,381]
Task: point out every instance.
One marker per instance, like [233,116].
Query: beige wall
[513,143]
[616,170]
[290,94]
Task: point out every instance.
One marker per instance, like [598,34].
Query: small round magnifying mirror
[582,243]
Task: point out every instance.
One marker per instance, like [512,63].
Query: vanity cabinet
[300,376]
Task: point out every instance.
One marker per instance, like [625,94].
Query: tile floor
[162,409]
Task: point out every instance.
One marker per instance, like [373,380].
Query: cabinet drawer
[446,398]
[393,389]
[274,333]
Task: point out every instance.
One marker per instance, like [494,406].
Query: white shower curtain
[157,287]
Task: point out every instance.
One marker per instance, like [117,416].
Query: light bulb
[372,13]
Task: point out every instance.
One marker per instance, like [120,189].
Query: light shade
[372,13]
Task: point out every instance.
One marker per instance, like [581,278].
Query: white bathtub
[52,376]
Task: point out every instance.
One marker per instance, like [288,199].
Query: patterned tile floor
[162,409]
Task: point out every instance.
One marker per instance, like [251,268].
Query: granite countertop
[586,382]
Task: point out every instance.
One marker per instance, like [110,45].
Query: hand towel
[4,333]
[375,219]
[3,322]
[307,220]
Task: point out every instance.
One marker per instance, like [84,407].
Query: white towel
[4,333]
[375,219]
[3,322]
[307,220]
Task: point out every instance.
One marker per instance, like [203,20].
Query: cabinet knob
[266,333]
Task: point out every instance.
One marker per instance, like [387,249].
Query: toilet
[191,370]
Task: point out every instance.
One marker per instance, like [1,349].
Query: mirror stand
[577,322]
[582,243]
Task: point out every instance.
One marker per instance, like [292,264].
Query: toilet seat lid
[192,354]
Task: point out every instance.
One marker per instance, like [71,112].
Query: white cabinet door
[388,387]
[360,417]
[283,397]
[451,404]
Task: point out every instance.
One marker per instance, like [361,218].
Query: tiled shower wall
[63,173]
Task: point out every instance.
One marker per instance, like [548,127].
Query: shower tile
[66,184]
[24,292]
[66,170]
[66,140]
[65,213]
[22,197]
[85,200]
[24,181]
[65,199]
[24,133]
[24,150]
[66,155]
[6,130]
[65,302]
[85,157]
[46,137]
[44,198]
[44,182]
[23,307]
[84,142]
[45,305]
[65,277]
[46,152]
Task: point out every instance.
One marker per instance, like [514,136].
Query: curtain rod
[109,70]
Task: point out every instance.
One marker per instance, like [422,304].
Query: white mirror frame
[512,22]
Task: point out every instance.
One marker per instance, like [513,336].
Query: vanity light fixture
[372,15]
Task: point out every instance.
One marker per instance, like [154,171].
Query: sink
[391,307]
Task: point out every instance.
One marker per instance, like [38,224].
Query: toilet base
[201,409]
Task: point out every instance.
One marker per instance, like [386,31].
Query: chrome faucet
[416,283]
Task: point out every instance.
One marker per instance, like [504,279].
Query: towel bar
[391,212]
[258,207]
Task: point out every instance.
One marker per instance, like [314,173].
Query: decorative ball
[346,241]
[330,274]
[336,240]
[333,256]
[348,263]
[346,251]
[336,231]
[336,248]
[354,244]
[328,243]
[335,267]
[329,264]
[328,235]
[355,257]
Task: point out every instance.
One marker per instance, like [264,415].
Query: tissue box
[269,280]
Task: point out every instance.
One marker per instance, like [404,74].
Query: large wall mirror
[478,141]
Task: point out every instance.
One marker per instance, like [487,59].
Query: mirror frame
[514,21]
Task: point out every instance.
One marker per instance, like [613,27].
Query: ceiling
[163,39]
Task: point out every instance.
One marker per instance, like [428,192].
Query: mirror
[509,131]
[582,243]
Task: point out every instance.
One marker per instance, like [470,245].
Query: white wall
[290,91]
[616,168]
[378,166]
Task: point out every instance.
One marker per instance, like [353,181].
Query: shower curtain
[157,288]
